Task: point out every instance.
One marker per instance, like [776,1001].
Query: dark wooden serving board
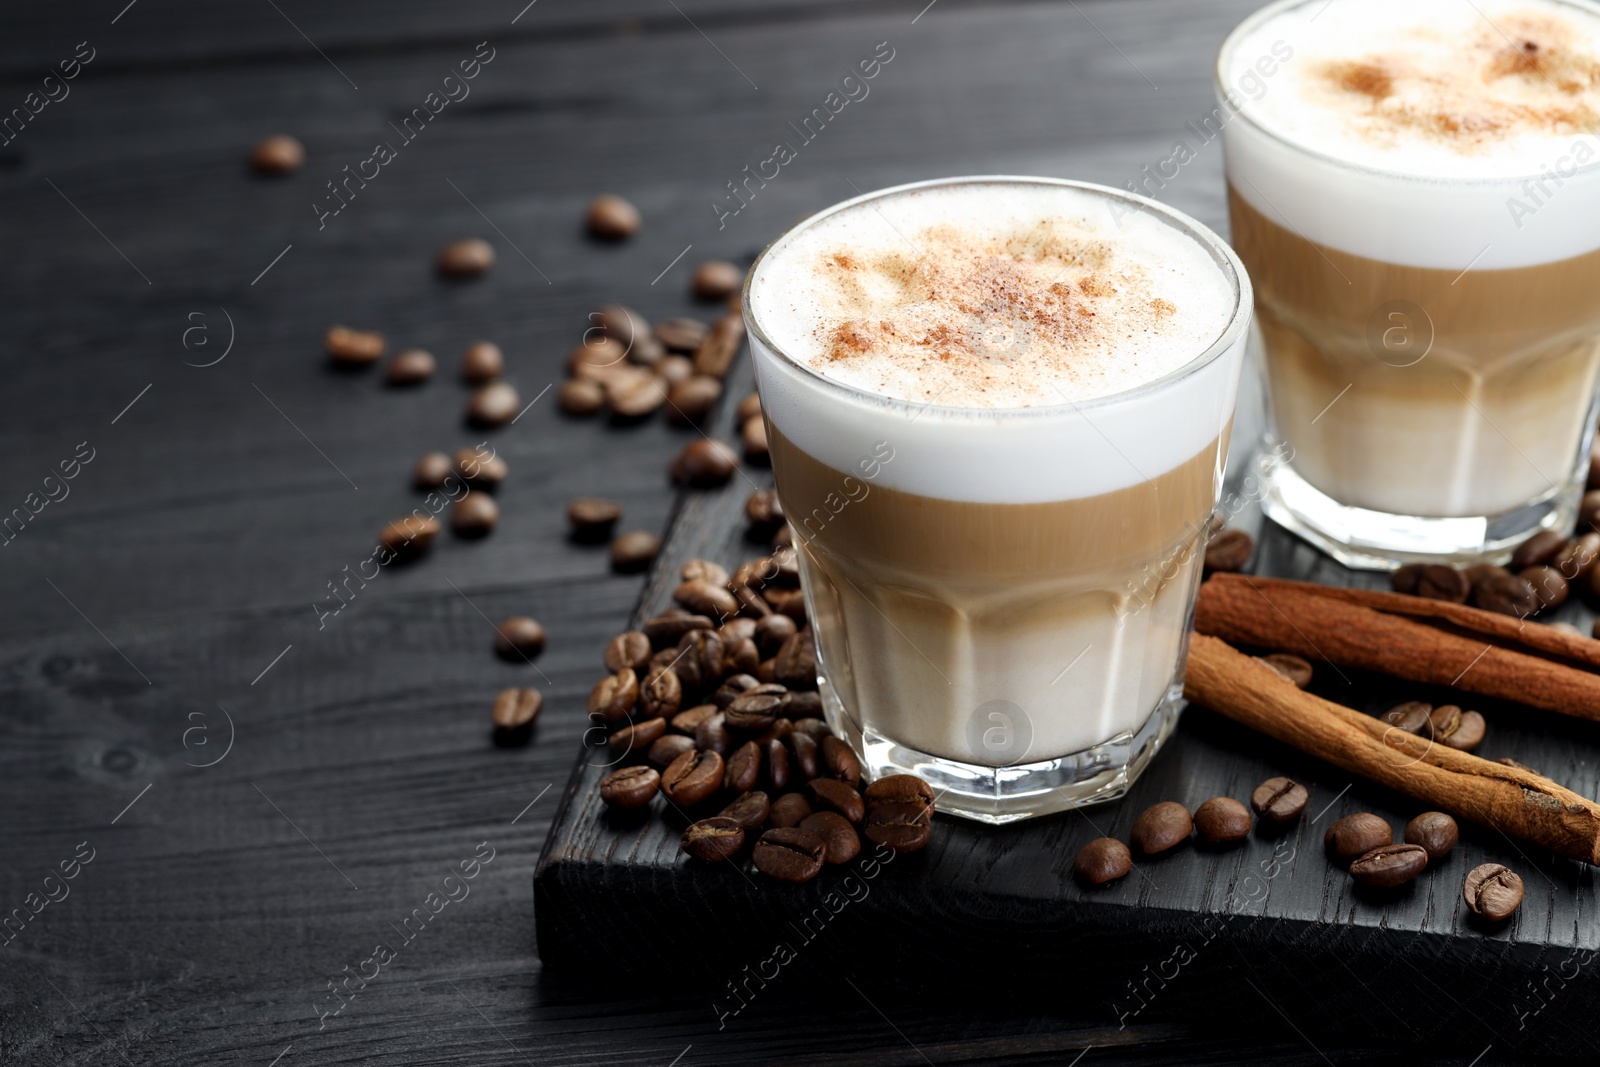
[1269,927]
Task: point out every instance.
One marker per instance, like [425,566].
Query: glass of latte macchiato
[1415,189]
[998,411]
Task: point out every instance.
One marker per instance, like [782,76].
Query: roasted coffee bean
[779,773]
[1279,799]
[688,721]
[667,748]
[705,464]
[789,854]
[732,687]
[713,734]
[796,665]
[1412,716]
[772,631]
[692,777]
[466,258]
[1457,729]
[706,598]
[713,839]
[667,657]
[1105,859]
[514,712]
[1435,581]
[431,470]
[612,218]
[353,348]
[1480,570]
[629,787]
[841,842]
[750,810]
[482,362]
[764,511]
[779,731]
[409,537]
[494,404]
[741,656]
[1389,865]
[1292,667]
[1356,835]
[901,827]
[790,602]
[790,809]
[661,693]
[1161,827]
[411,367]
[753,442]
[638,737]
[480,469]
[841,763]
[1548,585]
[806,704]
[785,568]
[613,697]
[749,407]
[578,397]
[1577,557]
[900,789]
[743,769]
[278,154]
[692,399]
[716,279]
[681,335]
[1435,831]
[600,360]
[648,352]
[1493,891]
[631,649]
[736,629]
[751,603]
[668,628]
[519,638]
[834,795]
[1540,548]
[699,660]
[635,395]
[703,570]
[675,369]
[1229,550]
[474,515]
[754,711]
[1506,594]
[807,759]
[1221,820]
[716,355]
[633,551]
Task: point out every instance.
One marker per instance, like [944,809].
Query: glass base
[999,795]
[1376,540]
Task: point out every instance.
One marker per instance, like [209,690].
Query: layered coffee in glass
[1415,190]
[998,411]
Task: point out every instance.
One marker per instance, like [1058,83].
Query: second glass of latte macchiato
[998,412]
[1415,190]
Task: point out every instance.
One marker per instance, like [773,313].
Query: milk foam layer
[1434,133]
[1071,413]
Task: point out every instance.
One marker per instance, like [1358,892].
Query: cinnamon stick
[1408,637]
[1516,801]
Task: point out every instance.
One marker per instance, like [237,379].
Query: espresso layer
[1418,391]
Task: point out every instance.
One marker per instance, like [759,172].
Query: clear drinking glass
[1022,655]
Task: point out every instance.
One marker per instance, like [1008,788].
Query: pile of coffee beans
[712,705]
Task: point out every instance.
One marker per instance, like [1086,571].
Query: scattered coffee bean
[713,839]
[474,515]
[705,464]
[661,693]
[410,367]
[647,352]
[1493,891]
[629,787]
[1538,549]
[681,335]
[764,511]
[753,712]
[1389,865]
[1105,859]
[514,712]
[779,772]
[482,362]
[796,664]
[750,811]
[1292,667]
[733,686]
[790,809]
[633,551]
[409,537]
[772,631]
[1457,729]
[721,346]
[743,768]
[834,795]
[1577,557]
[635,395]
[900,789]
[749,408]
[716,279]
[1505,593]
[839,760]
[807,758]
[667,629]
[698,663]
[692,399]
[1435,581]
[494,404]
[1221,820]
[1161,827]
[1279,799]
[278,154]
[675,369]
[1229,551]
[519,638]
[612,218]
[900,827]
[466,258]
[630,650]
[1435,831]
[1548,585]
[753,441]
[353,348]
[667,748]
[481,469]
[813,728]
[1412,716]
[579,397]
[703,570]
[789,854]
[591,519]
[1356,835]
[614,696]
[839,839]
[431,470]
[691,778]
[706,598]
[638,737]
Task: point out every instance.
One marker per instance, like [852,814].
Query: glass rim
[1272,10]
[1221,253]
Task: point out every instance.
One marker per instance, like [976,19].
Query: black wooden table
[251,792]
